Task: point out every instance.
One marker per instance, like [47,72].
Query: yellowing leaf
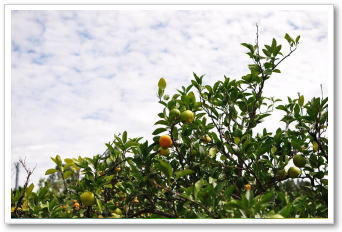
[301,100]
[29,189]
[68,161]
[236,140]
[50,171]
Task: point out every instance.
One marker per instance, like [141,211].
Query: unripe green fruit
[281,174]
[87,198]
[187,116]
[162,83]
[212,152]
[118,211]
[175,114]
[164,151]
[299,161]
[294,172]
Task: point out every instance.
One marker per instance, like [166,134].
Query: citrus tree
[210,157]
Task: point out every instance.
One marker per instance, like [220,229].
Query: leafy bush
[214,163]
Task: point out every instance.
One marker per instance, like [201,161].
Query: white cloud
[78,77]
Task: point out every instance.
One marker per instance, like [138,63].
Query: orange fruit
[165,141]
[117,169]
[248,187]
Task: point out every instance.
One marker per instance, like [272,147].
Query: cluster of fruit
[165,141]
[293,172]
[88,199]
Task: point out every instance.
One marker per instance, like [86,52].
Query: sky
[79,77]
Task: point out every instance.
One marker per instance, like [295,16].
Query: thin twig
[29,172]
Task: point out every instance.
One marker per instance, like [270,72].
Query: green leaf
[99,204]
[29,189]
[110,148]
[108,186]
[67,174]
[182,173]
[198,185]
[301,100]
[289,39]
[266,197]
[274,44]
[158,131]
[166,168]
[161,115]
[50,171]
[229,191]
[42,192]
[266,52]
[297,39]
[249,46]
[296,110]
[286,211]
[124,137]
[162,83]
[57,160]
[109,178]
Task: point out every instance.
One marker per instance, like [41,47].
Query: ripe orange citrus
[165,141]
[248,187]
